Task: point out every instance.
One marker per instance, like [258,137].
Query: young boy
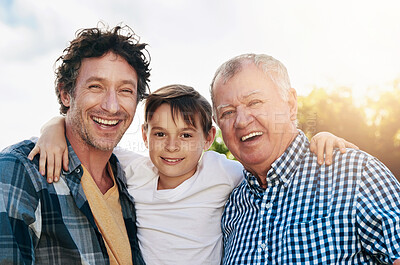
[180,190]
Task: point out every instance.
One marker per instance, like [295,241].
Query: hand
[396,262]
[325,142]
[52,149]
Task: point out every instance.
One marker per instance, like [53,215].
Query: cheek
[154,145]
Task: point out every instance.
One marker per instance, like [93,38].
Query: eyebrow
[245,96]
[183,129]
[101,79]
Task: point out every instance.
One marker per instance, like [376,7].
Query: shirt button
[268,205]
[78,170]
[263,246]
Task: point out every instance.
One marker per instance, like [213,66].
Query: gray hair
[271,66]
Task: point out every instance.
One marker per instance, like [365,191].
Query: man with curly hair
[88,216]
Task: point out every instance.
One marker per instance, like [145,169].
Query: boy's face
[174,146]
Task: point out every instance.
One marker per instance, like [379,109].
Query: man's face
[104,102]
[255,121]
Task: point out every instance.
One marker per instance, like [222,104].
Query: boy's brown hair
[183,100]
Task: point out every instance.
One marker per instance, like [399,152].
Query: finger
[313,146]
[33,152]
[351,145]
[57,168]
[50,168]
[340,143]
[42,162]
[320,152]
[328,151]
[65,160]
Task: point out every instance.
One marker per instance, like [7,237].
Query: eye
[159,134]
[254,102]
[186,135]
[127,91]
[227,113]
[95,87]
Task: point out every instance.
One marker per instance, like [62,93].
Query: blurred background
[343,58]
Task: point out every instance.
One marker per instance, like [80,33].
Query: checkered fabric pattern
[346,213]
[42,223]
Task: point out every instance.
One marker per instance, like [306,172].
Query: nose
[172,144]
[110,101]
[243,117]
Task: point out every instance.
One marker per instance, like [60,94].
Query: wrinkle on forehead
[242,97]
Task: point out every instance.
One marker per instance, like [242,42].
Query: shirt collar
[75,163]
[283,168]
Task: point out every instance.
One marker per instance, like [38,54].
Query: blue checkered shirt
[346,213]
[42,223]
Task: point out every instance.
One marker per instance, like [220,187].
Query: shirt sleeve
[20,220]
[125,156]
[378,212]
[232,169]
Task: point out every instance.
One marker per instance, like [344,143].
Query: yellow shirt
[107,214]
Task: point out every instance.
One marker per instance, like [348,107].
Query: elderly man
[88,217]
[291,210]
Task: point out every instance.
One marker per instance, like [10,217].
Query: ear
[293,104]
[144,136]
[65,96]
[210,138]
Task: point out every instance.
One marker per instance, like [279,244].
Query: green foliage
[220,147]
[373,125]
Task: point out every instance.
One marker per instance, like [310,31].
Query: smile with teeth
[172,160]
[250,135]
[105,122]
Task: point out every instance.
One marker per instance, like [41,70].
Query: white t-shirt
[181,225]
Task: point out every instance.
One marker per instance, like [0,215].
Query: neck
[94,160]
[261,171]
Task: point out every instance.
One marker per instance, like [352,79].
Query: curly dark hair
[95,42]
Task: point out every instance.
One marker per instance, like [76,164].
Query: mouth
[104,122]
[250,136]
[172,160]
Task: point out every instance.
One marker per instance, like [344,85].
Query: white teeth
[105,122]
[244,138]
[172,160]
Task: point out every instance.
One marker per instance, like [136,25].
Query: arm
[52,149]
[325,142]
[378,211]
[19,213]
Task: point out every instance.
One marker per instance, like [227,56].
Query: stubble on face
[81,129]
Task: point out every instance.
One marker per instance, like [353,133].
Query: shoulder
[19,149]
[138,168]
[219,165]
[354,164]
[14,158]
[351,158]
[125,156]
[17,171]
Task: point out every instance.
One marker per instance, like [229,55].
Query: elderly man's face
[256,124]
[104,102]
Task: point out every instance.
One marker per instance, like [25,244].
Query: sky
[352,43]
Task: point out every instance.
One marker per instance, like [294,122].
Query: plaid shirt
[346,213]
[45,223]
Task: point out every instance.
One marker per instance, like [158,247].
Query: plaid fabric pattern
[346,213]
[43,223]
